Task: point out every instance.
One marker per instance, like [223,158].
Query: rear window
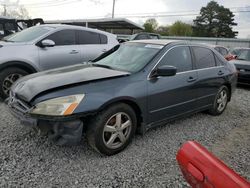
[204,57]
[87,37]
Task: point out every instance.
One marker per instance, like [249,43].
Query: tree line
[214,20]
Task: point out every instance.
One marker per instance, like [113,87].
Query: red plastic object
[202,169]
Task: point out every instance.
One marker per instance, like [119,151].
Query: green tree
[150,25]
[181,29]
[214,21]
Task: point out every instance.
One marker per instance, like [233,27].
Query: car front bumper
[61,132]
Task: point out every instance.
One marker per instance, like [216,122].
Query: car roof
[156,41]
[65,26]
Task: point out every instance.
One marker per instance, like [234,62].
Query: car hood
[241,64]
[6,44]
[28,87]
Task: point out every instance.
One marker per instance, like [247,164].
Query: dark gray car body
[155,100]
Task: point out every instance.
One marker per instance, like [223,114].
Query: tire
[104,132]
[219,107]
[7,77]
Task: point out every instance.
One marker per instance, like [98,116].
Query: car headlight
[61,106]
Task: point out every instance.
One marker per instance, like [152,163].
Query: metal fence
[227,42]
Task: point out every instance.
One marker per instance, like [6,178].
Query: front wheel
[112,129]
[220,101]
[8,77]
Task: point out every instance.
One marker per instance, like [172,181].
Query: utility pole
[113,10]
[4,10]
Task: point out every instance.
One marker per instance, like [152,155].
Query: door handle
[74,52]
[191,79]
[220,73]
[104,50]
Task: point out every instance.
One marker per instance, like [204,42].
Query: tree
[163,30]
[150,25]
[214,21]
[14,10]
[181,29]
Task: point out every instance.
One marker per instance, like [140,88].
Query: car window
[204,57]
[87,37]
[244,55]
[179,57]
[223,51]
[154,36]
[1,29]
[64,37]
[104,39]
[141,37]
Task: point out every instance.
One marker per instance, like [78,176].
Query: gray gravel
[27,160]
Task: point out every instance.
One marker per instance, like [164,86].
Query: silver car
[46,47]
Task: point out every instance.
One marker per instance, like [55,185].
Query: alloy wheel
[9,81]
[117,130]
[222,100]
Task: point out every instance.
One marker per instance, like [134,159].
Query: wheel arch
[130,102]
[19,64]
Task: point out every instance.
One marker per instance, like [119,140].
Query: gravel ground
[27,160]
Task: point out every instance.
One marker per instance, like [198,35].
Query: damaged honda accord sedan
[131,88]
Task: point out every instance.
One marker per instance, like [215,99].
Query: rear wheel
[220,101]
[9,76]
[112,129]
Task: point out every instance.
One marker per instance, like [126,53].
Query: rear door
[65,52]
[92,44]
[210,75]
[173,95]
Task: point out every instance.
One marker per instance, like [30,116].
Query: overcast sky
[80,9]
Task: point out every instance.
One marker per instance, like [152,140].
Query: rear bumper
[68,132]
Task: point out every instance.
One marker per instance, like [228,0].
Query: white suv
[46,47]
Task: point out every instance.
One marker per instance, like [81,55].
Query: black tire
[215,110]
[96,134]
[5,73]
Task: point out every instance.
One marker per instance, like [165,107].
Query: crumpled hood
[28,87]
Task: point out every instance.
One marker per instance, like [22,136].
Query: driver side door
[65,52]
[171,96]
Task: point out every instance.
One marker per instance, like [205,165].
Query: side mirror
[48,43]
[164,70]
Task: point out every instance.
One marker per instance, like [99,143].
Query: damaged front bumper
[60,131]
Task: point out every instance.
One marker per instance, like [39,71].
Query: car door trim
[178,104]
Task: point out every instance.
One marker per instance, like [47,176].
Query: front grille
[17,104]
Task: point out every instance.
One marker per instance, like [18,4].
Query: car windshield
[130,57]
[244,55]
[28,34]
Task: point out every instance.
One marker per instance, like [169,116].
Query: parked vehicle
[140,36]
[222,50]
[45,47]
[242,63]
[10,26]
[202,169]
[234,53]
[135,86]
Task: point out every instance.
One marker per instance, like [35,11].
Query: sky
[83,9]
